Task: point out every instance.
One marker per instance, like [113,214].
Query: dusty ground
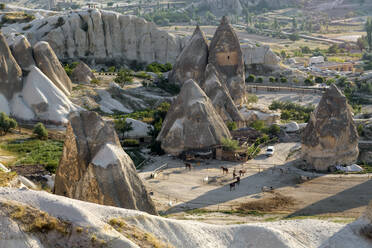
[178,190]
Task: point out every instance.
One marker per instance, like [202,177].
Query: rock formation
[103,37]
[330,138]
[82,74]
[47,101]
[95,168]
[192,61]
[220,97]
[10,72]
[226,55]
[22,52]
[49,64]
[192,122]
[259,56]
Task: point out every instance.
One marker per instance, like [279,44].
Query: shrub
[40,131]
[70,67]
[319,80]
[157,67]
[124,76]
[2,6]
[251,78]
[271,79]
[330,81]
[292,111]
[111,69]
[95,81]
[273,130]
[360,130]
[309,82]
[171,88]
[230,145]
[232,125]
[6,123]
[143,74]
[283,80]
[259,80]
[258,125]
[251,98]
[130,143]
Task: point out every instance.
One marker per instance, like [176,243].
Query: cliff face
[102,37]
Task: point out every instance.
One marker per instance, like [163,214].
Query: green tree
[122,126]
[40,131]
[124,76]
[6,123]
[2,6]
[362,43]
[368,28]
[319,80]
[294,24]
[251,78]
[333,49]
[111,69]
[232,125]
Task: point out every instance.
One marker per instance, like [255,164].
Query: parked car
[270,151]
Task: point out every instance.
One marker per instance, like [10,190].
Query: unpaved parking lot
[177,190]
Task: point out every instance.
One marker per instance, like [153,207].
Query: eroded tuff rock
[192,61]
[10,72]
[192,122]
[330,138]
[262,55]
[49,64]
[103,37]
[220,97]
[82,74]
[22,52]
[95,168]
[226,55]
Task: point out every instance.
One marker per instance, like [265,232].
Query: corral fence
[252,88]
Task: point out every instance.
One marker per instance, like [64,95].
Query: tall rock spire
[226,56]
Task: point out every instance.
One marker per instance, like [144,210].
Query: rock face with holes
[330,138]
[49,64]
[10,74]
[220,97]
[192,122]
[226,56]
[192,61]
[82,74]
[95,168]
[106,38]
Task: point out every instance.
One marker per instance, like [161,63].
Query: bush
[251,98]
[230,145]
[2,6]
[259,80]
[40,131]
[309,82]
[158,68]
[124,76]
[130,143]
[95,81]
[122,126]
[171,88]
[258,125]
[70,67]
[143,74]
[111,69]
[319,80]
[271,79]
[232,125]
[6,123]
[273,130]
[292,111]
[283,80]
[251,78]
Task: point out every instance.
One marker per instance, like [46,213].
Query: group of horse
[237,182]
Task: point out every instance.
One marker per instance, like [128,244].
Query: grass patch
[6,178]
[276,202]
[33,151]
[138,236]
[239,212]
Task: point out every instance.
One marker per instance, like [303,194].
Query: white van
[270,151]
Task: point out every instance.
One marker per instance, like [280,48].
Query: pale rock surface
[47,101]
[226,56]
[20,109]
[49,64]
[192,122]
[100,37]
[291,127]
[254,55]
[95,168]
[220,97]
[22,52]
[140,129]
[331,137]
[192,61]
[307,233]
[82,74]
[10,72]
[256,115]
[4,104]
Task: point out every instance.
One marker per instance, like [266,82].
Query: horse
[242,172]
[224,170]
[234,174]
[238,181]
[232,186]
[188,166]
